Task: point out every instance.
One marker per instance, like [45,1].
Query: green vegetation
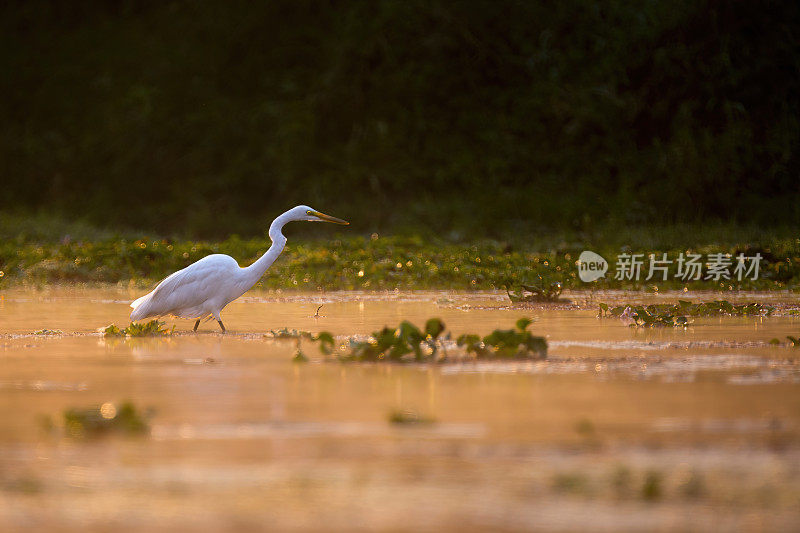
[300,357]
[543,292]
[325,340]
[408,343]
[477,117]
[571,482]
[794,342]
[402,344]
[676,315]
[695,486]
[408,417]
[108,418]
[48,332]
[153,328]
[621,480]
[652,487]
[516,343]
[288,334]
[378,263]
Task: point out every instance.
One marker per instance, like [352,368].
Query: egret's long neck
[254,272]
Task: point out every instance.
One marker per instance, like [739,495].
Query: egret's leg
[221,325]
[196,324]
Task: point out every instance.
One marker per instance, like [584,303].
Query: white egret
[205,287]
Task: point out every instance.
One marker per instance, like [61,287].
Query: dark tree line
[205,118]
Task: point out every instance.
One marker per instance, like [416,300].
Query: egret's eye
[309,213]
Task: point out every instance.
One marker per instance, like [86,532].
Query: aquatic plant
[542,292]
[517,343]
[108,418]
[153,328]
[324,339]
[48,332]
[571,482]
[409,417]
[408,343]
[288,334]
[112,330]
[694,486]
[621,480]
[794,340]
[299,357]
[676,315]
[652,486]
[404,343]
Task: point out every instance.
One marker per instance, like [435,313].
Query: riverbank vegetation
[376,262]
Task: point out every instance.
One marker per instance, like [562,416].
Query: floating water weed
[651,488]
[517,343]
[542,292]
[794,342]
[694,487]
[408,343]
[154,328]
[409,417]
[288,334]
[571,482]
[113,331]
[621,480]
[324,339]
[48,332]
[404,343]
[676,315]
[108,418]
[299,357]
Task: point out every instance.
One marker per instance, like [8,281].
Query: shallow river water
[619,429]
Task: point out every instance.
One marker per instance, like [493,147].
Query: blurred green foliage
[379,263]
[106,419]
[481,118]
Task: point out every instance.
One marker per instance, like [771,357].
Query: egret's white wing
[187,292]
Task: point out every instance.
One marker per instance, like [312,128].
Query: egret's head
[303,212]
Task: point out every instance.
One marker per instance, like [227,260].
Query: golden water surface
[620,429]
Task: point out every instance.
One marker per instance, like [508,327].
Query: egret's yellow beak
[328,218]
